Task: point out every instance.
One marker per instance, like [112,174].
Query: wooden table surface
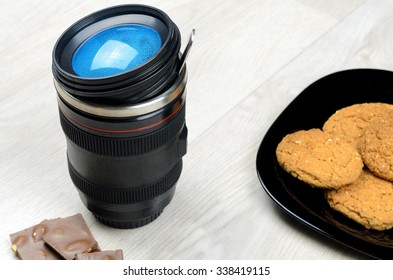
[250,59]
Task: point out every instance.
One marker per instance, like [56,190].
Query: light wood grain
[249,60]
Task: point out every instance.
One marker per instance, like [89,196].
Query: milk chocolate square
[28,244]
[102,255]
[69,236]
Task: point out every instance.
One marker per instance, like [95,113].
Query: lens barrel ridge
[126,195]
[122,147]
[126,133]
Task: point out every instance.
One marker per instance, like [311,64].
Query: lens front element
[115,50]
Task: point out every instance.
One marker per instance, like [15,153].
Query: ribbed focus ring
[128,224]
[126,196]
[122,147]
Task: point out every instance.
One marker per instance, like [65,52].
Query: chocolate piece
[69,236]
[103,255]
[27,244]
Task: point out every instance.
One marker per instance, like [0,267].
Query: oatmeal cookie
[368,201]
[349,122]
[376,149]
[319,159]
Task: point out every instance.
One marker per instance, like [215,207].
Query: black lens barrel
[126,134]
[126,181]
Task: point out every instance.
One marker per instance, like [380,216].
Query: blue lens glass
[115,50]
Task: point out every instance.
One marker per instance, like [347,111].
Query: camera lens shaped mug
[121,82]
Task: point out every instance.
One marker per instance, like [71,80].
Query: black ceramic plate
[309,110]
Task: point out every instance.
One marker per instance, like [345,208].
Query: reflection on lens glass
[115,50]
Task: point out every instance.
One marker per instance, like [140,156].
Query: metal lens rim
[177,89]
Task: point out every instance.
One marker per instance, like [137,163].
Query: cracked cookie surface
[349,122]
[368,201]
[376,148]
[319,159]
